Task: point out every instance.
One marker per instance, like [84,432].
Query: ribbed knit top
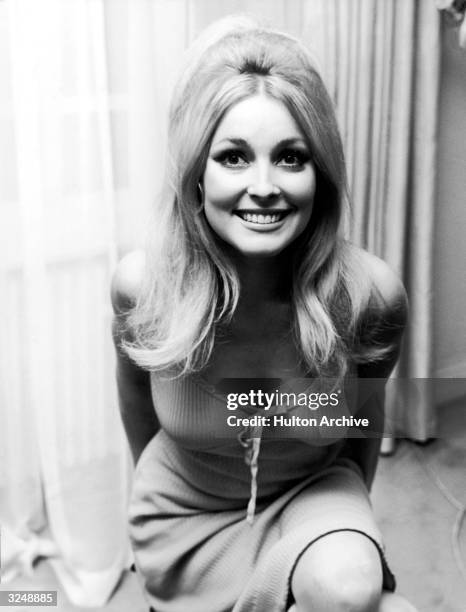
[222,461]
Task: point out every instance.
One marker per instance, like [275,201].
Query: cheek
[300,188]
[220,187]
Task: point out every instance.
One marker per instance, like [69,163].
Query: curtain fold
[417,359]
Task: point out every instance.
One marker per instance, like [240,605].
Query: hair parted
[190,284]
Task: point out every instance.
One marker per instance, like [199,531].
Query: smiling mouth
[262,218]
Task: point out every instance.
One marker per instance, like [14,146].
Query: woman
[248,277]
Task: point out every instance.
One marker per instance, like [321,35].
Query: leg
[389,603]
[340,572]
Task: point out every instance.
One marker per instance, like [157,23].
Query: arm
[134,391]
[393,314]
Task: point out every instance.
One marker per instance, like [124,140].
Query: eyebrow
[241,142]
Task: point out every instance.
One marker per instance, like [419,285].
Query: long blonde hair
[191,286]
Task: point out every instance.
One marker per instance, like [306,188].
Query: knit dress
[219,515]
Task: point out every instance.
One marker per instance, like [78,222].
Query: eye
[292,158]
[232,159]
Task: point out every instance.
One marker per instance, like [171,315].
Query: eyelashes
[288,158]
[293,158]
[232,159]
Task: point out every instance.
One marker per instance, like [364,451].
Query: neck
[264,306]
[264,279]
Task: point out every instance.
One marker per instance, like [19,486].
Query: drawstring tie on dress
[251,457]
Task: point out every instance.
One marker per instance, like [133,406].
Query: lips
[262,217]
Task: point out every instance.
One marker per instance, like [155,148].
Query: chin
[260,251]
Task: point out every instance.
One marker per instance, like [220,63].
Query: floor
[419,498]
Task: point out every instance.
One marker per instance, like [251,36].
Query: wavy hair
[191,287]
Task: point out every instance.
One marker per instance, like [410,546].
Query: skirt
[195,552]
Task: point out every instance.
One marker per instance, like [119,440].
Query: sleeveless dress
[220,515]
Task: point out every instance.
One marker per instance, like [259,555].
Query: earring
[200,193]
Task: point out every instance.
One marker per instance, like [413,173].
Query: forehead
[258,118]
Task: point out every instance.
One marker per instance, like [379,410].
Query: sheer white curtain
[64,465]
[84,90]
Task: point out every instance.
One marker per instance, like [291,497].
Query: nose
[262,186]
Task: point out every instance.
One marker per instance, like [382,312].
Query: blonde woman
[247,276]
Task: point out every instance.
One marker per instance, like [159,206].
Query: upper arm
[383,326]
[134,388]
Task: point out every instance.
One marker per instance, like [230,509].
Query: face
[259,181]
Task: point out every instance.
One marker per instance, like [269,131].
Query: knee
[346,580]
[356,592]
[391,602]
[353,592]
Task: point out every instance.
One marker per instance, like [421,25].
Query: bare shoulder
[389,293]
[127,281]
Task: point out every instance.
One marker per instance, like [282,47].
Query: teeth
[260,218]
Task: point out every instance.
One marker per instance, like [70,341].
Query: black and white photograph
[233,305]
